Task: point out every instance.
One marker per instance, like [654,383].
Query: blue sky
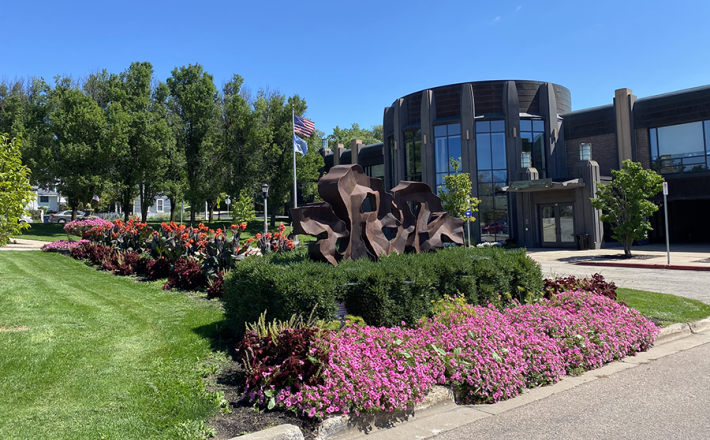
[349,60]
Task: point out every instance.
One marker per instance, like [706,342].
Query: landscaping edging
[441,398]
[643,266]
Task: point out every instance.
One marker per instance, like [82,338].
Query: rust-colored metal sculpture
[360,219]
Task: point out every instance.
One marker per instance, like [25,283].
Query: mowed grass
[85,354]
[44,232]
[668,309]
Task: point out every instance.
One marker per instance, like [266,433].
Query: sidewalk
[683,256]
[20,244]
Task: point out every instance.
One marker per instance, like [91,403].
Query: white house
[161,206]
[47,198]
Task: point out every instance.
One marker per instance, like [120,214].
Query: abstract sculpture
[358,218]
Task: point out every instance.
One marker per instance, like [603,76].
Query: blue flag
[299,145]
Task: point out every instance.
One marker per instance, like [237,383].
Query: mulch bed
[244,418]
[624,257]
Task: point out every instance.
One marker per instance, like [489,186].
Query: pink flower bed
[484,354]
[63,245]
[81,227]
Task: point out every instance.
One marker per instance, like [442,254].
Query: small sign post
[469,214]
[665,210]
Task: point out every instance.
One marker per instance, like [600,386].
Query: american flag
[303,126]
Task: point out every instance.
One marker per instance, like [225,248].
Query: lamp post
[227,201]
[265,192]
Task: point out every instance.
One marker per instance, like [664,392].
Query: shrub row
[384,293]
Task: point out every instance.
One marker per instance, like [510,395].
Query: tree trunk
[172,208]
[210,207]
[273,218]
[144,204]
[192,213]
[627,248]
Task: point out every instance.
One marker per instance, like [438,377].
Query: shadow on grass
[221,339]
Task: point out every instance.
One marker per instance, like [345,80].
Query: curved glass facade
[447,146]
[492,175]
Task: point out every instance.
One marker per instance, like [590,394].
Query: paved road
[668,398]
[689,284]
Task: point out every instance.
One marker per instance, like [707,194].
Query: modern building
[535,164]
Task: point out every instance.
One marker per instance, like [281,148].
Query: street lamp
[265,192]
[227,201]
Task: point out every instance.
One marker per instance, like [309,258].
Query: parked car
[64,216]
[494,228]
[25,219]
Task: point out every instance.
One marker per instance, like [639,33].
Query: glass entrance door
[557,223]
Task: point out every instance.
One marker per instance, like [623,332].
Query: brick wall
[603,151]
[643,149]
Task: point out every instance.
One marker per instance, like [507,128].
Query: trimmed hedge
[384,293]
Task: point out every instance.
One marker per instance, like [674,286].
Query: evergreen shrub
[384,293]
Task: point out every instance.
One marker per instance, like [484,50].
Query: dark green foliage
[395,289]
[282,290]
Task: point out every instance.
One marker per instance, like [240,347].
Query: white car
[25,219]
[64,216]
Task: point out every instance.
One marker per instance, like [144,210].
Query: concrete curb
[643,266]
[439,413]
[281,432]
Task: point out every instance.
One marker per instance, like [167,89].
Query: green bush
[281,287]
[384,293]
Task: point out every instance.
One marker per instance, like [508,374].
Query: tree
[345,135]
[15,188]
[455,194]
[625,205]
[242,209]
[195,97]
[139,136]
[78,157]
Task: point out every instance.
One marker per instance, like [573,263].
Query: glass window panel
[538,125]
[500,176]
[485,189]
[549,228]
[707,137]
[483,151]
[681,140]
[498,188]
[454,129]
[527,140]
[455,149]
[566,224]
[539,152]
[440,180]
[483,127]
[498,150]
[497,126]
[484,176]
[378,171]
[525,125]
[653,142]
[442,158]
[439,130]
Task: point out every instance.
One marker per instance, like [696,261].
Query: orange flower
[242,227]
[258,236]
[233,227]
[282,227]
[184,236]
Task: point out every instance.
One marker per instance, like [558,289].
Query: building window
[159,205]
[447,145]
[44,199]
[680,148]
[375,171]
[390,145]
[492,177]
[413,155]
[532,133]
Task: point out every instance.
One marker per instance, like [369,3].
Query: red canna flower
[243,227]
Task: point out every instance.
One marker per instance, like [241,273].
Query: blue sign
[469,213]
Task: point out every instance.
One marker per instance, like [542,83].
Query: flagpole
[293,134]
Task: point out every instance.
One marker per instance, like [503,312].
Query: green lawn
[44,232]
[88,355]
[669,309]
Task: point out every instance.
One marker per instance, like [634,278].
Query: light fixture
[525,159]
[265,192]
[585,151]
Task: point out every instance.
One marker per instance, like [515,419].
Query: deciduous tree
[15,189]
[625,205]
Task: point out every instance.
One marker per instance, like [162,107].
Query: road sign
[469,213]
[665,188]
